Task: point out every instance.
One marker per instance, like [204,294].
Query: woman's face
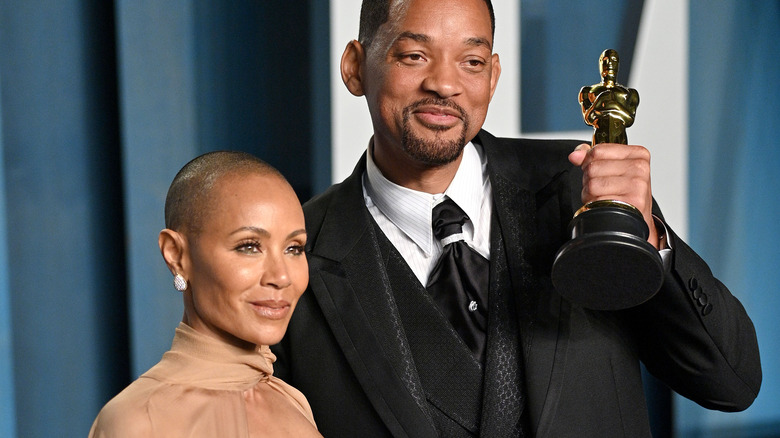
[247,267]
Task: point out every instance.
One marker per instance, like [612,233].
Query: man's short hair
[374,13]
[190,193]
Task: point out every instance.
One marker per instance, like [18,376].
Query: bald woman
[234,242]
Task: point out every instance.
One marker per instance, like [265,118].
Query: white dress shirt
[405,215]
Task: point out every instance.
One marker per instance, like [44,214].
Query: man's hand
[617,172]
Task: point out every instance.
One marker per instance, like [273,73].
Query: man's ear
[173,247]
[495,73]
[352,61]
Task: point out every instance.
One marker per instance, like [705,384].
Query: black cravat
[459,282]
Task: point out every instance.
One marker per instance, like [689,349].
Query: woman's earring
[179,283]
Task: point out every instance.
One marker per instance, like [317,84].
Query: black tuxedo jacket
[351,349]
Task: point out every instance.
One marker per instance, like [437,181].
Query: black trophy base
[608,264]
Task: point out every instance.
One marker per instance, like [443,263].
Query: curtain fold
[734,181]
[101,103]
[8,411]
[63,203]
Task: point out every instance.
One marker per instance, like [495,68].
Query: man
[375,352]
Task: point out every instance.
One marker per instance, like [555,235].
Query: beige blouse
[203,387]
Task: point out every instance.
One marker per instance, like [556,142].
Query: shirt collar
[410,210]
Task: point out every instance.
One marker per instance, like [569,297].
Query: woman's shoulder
[127,414]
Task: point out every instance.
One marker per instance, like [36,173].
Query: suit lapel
[351,286]
[514,207]
[450,377]
[350,283]
[504,395]
[540,310]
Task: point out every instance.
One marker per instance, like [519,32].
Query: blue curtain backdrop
[734,173]
[8,410]
[102,102]
[558,38]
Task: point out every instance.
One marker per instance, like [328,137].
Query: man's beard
[438,151]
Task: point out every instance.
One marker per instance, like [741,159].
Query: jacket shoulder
[533,162]
[336,205]
[315,209]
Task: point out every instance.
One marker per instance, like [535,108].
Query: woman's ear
[173,247]
[352,61]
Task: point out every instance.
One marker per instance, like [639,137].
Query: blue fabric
[62,216]
[8,411]
[734,181]
[558,38]
[101,103]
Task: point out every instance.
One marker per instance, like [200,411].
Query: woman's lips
[271,309]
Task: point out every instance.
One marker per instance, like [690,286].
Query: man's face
[428,78]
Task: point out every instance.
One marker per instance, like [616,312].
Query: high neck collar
[199,360]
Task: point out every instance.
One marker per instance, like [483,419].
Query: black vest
[464,398]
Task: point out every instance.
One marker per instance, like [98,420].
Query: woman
[234,241]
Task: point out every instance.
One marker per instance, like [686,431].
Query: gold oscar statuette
[608,263]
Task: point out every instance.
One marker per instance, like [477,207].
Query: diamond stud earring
[179,283]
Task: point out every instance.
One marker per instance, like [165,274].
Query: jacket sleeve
[696,336]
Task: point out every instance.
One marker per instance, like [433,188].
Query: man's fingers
[614,151]
[577,157]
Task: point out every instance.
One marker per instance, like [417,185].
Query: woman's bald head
[189,197]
